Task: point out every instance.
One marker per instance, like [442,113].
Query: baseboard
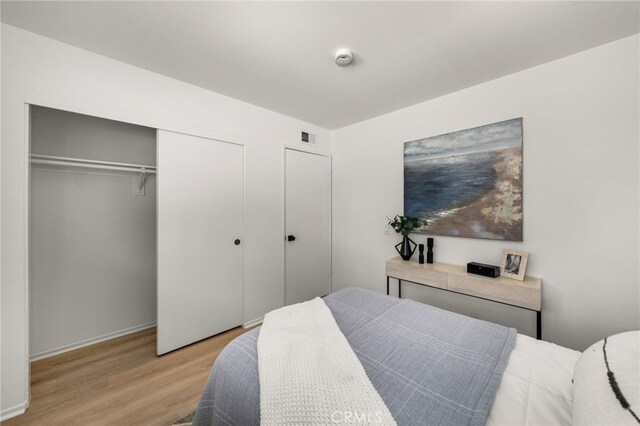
[253,323]
[91,341]
[10,412]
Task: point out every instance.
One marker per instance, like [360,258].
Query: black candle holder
[429,250]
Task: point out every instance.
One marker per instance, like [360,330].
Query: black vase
[405,248]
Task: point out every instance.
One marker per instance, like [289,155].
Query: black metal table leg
[539,325]
[399,288]
[387,285]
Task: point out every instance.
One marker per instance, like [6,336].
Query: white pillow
[594,399]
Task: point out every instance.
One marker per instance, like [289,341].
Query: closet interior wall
[93,242]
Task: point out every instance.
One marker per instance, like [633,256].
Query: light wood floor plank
[121,382]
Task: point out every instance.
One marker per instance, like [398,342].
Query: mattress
[535,388]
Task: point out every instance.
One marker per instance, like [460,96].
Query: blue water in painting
[434,186]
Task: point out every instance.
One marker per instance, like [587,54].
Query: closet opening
[93,242]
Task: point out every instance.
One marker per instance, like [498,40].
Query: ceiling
[279,55]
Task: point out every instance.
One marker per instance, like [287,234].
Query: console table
[525,294]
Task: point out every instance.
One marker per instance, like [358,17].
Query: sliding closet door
[200,211]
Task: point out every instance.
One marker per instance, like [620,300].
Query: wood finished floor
[121,382]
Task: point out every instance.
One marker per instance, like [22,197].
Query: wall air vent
[306,137]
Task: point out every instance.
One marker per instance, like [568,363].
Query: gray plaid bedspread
[430,366]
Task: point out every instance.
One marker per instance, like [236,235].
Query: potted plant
[404,225]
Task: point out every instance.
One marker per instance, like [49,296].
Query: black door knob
[237,242]
[291,238]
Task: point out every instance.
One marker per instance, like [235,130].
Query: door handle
[237,242]
[291,238]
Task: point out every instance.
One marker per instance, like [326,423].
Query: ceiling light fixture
[344,57]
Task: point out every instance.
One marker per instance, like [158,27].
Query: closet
[131,227]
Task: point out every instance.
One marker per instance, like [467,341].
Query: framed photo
[513,264]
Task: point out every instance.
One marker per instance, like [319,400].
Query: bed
[536,386]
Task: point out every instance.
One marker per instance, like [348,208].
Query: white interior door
[200,255]
[308,226]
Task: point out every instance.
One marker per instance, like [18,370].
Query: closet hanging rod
[91,164]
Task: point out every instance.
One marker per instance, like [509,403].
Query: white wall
[37,67]
[3,327]
[581,140]
[93,242]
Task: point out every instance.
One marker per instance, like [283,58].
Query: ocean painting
[467,183]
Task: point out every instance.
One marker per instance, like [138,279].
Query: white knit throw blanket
[309,374]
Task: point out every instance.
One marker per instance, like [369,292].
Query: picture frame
[514,264]
[467,183]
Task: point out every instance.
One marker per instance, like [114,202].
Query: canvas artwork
[467,183]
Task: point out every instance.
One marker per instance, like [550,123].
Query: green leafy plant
[404,225]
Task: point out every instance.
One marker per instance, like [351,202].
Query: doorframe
[126,116]
[312,151]
[31,99]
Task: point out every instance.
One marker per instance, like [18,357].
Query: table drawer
[498,289]
[417,273]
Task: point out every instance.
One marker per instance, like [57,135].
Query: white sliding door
[200,216]
[308,226]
